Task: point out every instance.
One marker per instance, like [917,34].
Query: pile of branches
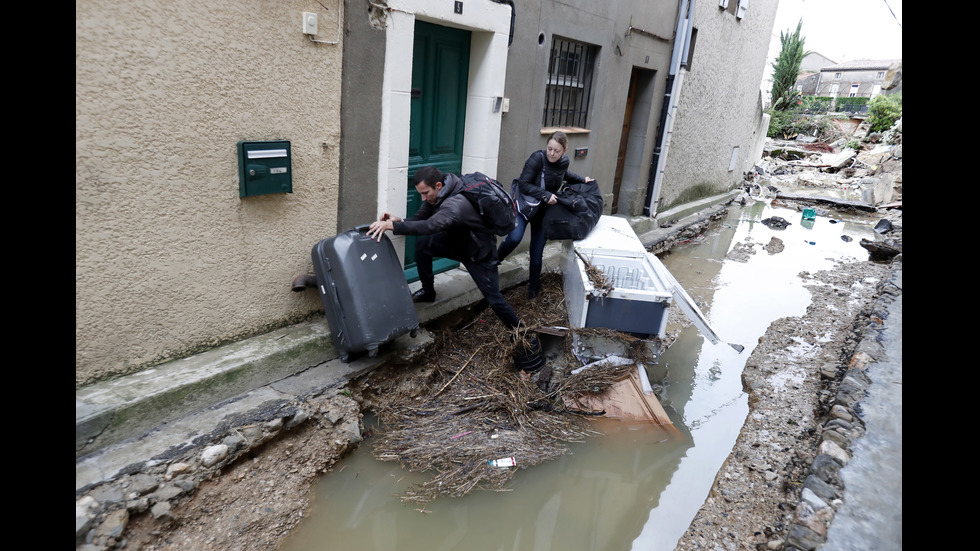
[475,407]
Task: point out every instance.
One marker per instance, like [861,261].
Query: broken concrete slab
[861,205]
[837,161]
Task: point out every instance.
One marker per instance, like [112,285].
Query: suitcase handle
[336,298]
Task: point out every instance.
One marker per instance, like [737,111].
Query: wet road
[633,489]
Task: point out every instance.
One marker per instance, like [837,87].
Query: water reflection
[596,497]
[637,487]
[744,299]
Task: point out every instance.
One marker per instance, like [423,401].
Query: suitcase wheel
[372,351]
[414,332]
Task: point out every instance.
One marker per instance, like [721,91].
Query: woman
[542,177]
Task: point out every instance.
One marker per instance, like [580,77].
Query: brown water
[639,486]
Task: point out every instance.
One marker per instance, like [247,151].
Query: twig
[469,408]
[458,372]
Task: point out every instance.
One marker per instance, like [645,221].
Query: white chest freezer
[611,281]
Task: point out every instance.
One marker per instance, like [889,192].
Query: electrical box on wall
[264,167]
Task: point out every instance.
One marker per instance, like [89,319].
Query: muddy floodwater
[638,486]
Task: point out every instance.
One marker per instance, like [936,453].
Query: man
[447,225]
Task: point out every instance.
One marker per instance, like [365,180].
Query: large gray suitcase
[364,293]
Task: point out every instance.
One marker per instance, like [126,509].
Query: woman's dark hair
[428,174]
[561,138]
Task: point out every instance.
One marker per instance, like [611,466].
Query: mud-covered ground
[254,502]
[792,377]
[752,502]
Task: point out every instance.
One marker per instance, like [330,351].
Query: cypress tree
[787,68]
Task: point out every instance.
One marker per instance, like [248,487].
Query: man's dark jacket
[454,214]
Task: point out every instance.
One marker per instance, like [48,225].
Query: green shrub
[850,104]
[811,126]
[788,124]
[817,103]
[883,111]
[854,144]
[778,120]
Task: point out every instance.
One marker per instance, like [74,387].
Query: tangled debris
[463,403]
[596,277]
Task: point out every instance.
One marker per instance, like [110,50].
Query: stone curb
[823,490]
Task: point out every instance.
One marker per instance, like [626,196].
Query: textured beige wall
[168,259]
[719,103]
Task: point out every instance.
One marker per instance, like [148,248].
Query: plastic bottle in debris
[503,462]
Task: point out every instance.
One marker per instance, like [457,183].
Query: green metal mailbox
[264,167]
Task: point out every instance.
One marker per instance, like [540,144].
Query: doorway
[632,140]
[440,70]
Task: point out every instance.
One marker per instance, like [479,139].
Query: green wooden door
[440,69]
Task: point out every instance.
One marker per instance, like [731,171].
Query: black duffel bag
[577,211]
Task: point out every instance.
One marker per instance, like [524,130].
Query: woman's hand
[587,179]
[553,199]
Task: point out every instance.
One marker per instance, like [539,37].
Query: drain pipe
[303,282]
[674,80]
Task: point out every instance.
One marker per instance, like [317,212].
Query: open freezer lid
[612,235]
[687,304]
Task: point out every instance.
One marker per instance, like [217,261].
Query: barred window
[569,89]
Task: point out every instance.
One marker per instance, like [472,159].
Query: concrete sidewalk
[160,413]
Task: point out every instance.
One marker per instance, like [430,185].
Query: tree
[787,68]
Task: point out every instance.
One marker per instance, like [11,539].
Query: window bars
[569,88]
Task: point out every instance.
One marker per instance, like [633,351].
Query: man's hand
[379,228]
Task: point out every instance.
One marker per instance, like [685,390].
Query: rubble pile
[464,405]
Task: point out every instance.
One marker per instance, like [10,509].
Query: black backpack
[493,203]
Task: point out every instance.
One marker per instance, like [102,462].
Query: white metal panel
[611,235]
[576,299]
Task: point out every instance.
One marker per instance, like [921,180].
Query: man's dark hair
[428,174]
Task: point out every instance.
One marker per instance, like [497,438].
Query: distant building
[806,83]
[814,62]
[859,78]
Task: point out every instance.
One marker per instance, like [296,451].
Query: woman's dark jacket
[554,174]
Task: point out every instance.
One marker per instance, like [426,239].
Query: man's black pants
[483,272]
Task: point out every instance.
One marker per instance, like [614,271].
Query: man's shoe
[423,296]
